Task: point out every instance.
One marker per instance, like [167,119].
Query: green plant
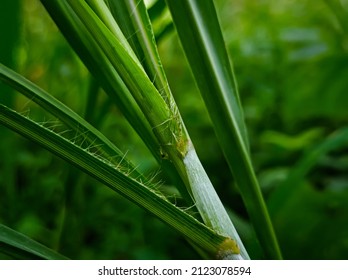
[129,69]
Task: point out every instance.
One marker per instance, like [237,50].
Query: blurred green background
[291,64]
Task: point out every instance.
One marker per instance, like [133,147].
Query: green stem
[207,201]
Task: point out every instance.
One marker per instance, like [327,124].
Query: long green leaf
[20,246]
[200,34]
[216,245]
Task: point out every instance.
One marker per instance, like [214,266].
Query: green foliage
[290,62]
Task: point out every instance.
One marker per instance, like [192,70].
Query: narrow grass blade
[200,34]
[143,40]
[92,137]
[20,246]
[155,12]
[215,245]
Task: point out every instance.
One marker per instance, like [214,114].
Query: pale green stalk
[208,202]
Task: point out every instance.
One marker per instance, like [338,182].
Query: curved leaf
[102,145]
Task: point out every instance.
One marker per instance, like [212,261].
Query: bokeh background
[291,64]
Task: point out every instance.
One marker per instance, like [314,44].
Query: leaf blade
[92,136]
